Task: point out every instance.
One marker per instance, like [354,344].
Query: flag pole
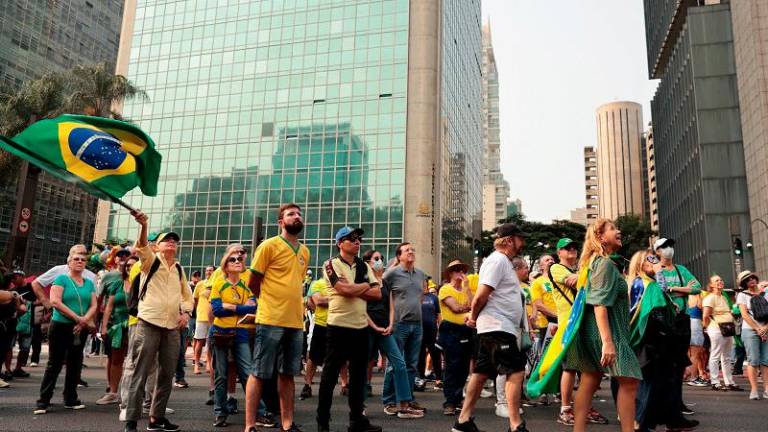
[124,204]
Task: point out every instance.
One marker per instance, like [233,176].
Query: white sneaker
[765,394]
[123,414]
[33,364]
[753,395]
[4,384]
[485,394]
[502,411]
[145,410]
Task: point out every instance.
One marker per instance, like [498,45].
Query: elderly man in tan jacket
[165,306]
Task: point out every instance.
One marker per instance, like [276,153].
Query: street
[717,411]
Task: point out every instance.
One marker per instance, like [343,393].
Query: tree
[542,237]
[635,234]
[94,90]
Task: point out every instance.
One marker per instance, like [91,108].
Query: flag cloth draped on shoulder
[545,378]
[105,157]
[653,297]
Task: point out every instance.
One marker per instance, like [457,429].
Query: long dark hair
[368,255]
[125,269]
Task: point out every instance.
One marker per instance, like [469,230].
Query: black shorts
[318,344]
[498,354]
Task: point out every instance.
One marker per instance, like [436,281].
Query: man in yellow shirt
[278,269]
[318,292]
[351,283]
[202,306]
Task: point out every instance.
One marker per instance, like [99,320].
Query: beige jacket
[165,297]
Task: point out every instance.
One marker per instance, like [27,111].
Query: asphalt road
[717,411]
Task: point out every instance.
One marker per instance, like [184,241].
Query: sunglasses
[79,259]
[353,239]
[653,259]
[236,259]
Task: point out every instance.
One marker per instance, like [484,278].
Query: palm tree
[91,90]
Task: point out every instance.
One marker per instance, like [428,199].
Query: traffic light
[737,247]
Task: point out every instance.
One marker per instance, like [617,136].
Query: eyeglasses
[79,259]
[233,259]
[653,259]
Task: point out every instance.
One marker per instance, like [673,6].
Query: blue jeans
[279,346]
[241,351]
[180,374]
[408,337]
[395,365]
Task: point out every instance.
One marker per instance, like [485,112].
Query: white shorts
[201,330]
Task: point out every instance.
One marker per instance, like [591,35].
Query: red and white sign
[23,226]
[26,213]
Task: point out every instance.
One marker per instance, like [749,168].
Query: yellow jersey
[321,312]
[202,295]
[461,297]
[541,288]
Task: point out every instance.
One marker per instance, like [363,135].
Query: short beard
[295,228]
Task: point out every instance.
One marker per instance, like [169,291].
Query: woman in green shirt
[114,327]
[602,344]
[73,298]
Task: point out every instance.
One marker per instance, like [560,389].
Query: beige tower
[590,182]
[620,159]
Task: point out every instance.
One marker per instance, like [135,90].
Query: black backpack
[759,306]
[138,291]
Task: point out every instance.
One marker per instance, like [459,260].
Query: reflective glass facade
[254,104]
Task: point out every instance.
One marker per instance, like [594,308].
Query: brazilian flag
[545,377]
[653,297]
[105,157]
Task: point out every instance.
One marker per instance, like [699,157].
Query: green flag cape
[653,297]
[545,378]
[105,157]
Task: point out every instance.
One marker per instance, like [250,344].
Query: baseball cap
[663,242]
[347,231]
[509,229]
[563,243]
[152,236]
[167,236]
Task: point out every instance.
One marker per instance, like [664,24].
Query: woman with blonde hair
[602,343]
[720,326]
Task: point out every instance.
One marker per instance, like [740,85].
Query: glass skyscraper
[258,103]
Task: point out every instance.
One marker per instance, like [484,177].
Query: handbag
[727,329]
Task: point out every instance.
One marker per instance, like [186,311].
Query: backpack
[759,306]
[139,291]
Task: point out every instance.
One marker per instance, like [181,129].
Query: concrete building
[698,151]
[590,181]
[579,216]
[37,37]
[620,158]
[495,188]
[362,113]
[650,168]
[750,41]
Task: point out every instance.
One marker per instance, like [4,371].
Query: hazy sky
[557,62]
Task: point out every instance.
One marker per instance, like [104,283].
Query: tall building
[750,40]
[620,159]
[650,168]
[590,181]
[700,171]
[362,113]
[37,37]
[495,188]
[579,216]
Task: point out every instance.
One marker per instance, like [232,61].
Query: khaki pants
[149,387]
[151,347]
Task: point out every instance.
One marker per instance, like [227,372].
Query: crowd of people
[647,324]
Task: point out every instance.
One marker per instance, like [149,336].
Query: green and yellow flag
[653,297]
[105,157]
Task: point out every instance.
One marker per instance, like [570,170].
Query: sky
[557,62]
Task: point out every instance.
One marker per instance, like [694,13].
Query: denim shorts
[277,348]
[757,349]
[697,332]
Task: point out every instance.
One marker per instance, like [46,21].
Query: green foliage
[543,237]
[635,234]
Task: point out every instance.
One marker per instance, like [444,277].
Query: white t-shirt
[47,278]
[746,300]
[504,310]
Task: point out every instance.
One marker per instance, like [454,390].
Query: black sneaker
[82,383]
[468,426]
[221,421]
[130,426]
[687,411]
[306,392]
[162,424]
[266,421]
[682,425]
[182,383]
[20,373]
[520,428]
[232,406]
[363,425]
[74,405]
